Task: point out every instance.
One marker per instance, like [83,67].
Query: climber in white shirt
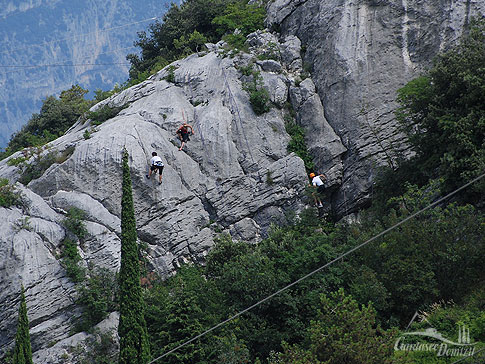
[318,182]
[156,164]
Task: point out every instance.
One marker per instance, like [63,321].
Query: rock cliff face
[235,175]
[360,52]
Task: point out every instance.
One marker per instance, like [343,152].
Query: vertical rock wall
[360,52]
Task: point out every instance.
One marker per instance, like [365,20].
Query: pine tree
[22,352]
[134,347]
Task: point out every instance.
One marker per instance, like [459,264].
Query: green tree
[187,27]
[242,16]
[134,346]
[343,333]
[443,112]
[55,117]
[22,351]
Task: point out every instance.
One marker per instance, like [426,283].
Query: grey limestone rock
[270,65]
[73,349]
[323,143]
[360,53]
[235,173]
[290,50]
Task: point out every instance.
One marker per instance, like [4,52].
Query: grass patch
[41,163]
[297,142]
[9,196]
[70,260]
[104,113]
[258,95]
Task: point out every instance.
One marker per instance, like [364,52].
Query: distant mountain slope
[46,32]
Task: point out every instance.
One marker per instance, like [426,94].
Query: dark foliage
[22,353]
[134,346]
[186,28]
[9,196]
[444,115]
[55,117]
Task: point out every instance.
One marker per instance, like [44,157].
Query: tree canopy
[55,117]
[443,112]
[186,28]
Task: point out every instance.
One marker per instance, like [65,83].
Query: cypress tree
[22,352]
[134,347]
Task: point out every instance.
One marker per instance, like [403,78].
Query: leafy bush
[297,143]
[74,222]
[41,163]
[443,114]
[242,16]
[190,44]
[37,167]
[17,161]
[171,74]
[9,196]
[343,332]
[270,52]
[258,95]
[98,295]
[187,27]
[435,256]
[100,348]
[55,117]
[70,259]
[104,113]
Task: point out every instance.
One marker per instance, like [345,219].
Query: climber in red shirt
[183,133]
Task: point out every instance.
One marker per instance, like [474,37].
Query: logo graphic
[463,335]
[444,347]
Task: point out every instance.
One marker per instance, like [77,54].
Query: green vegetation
[22,353]
[9,196]
[134,346]
[297,142]
[434,257]
[55,117]
[98,294]
[271,52]
[23,224]
[74,222]
[41,162]
[100,349]
[447,318]
[70,259]
[343,332]
[186,28]
[238,20]
[171,74]
[258,95]
[37,167]
[443,114]
[104,113]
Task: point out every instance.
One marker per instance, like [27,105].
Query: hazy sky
[39,37]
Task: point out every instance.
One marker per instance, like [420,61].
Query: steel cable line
[79,35]
[468,356]
[322,267]
[19,67]
[66,65]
